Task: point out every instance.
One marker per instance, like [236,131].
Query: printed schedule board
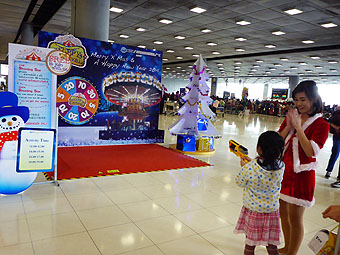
[33,83]
[36,150]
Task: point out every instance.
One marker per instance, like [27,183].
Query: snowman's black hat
[9,106]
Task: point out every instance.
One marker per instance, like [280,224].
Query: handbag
[324,241]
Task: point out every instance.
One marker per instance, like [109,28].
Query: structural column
[213,86]
[27,34]
[265,90]
[90,19]
[293,81]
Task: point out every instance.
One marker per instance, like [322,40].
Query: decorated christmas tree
[195,114]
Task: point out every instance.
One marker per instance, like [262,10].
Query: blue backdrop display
[111,95]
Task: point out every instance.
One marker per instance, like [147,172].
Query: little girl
[261,179]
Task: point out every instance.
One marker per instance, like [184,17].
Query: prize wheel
[77,100]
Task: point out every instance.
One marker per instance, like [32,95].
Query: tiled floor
[189,212]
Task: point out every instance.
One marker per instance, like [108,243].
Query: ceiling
[265,16]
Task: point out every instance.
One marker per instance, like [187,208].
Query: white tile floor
[189,212]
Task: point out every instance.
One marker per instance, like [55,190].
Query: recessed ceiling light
[215,53]
[293,67]
[140,29]
[219,64]
[158,42]
[198,10]
[309,71]
[211,44]
[111,41]
[253,69]
[318,67]
[168,68]
[124,36]
[195,55]
[237,67]
[286,71]
[333,62]
[329,25]
[243,22]
[165,59]
[293,11]
[170,51]
[284,59]
[179,57]
[206,30]
[270,46]
[165,21]
[238,63]
[267,72]
[303,63]
[256,66]
[178,67]
[322,74]
[189,48]
[141,46]
[333,70]
[277,64]
[314,57]
[191,67]
[278,33]
[240,39]
[272,69]
[239,49]
[115,9]
[308,41]
[259,61]
[180,37]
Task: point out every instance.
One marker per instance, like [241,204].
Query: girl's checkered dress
[259,228]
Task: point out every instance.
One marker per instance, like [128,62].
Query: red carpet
[89,161]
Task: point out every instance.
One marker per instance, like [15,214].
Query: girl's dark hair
[271,144]
[311,91]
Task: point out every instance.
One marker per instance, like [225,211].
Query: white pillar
[91,19]
[293,81]
[213,86]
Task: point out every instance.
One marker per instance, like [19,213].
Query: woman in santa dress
[305,133]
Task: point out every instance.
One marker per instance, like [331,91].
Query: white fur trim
[310,120]
[306,167]
[296,159]
[297,201]
[295,147]
[316,148]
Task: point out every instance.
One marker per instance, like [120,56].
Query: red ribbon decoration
[8,136]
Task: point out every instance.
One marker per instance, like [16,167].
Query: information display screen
[280,94]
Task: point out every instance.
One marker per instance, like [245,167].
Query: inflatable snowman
[12,117]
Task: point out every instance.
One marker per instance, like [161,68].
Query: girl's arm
[303,140]
[288,126]
[241,178]
[305,143]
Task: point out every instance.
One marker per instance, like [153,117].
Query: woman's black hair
[271,144]
[311,91]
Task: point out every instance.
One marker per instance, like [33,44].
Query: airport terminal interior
[256,44]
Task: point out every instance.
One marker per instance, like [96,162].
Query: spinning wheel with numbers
[77,100]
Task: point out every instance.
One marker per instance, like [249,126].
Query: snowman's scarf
[8,136]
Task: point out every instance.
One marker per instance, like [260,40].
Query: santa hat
[9,106]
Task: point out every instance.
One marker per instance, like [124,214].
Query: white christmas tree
[196,106]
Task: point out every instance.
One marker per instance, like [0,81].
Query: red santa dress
[298,182]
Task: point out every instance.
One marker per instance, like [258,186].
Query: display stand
[173,147]
[55,179]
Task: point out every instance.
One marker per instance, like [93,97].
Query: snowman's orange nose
[10,123]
